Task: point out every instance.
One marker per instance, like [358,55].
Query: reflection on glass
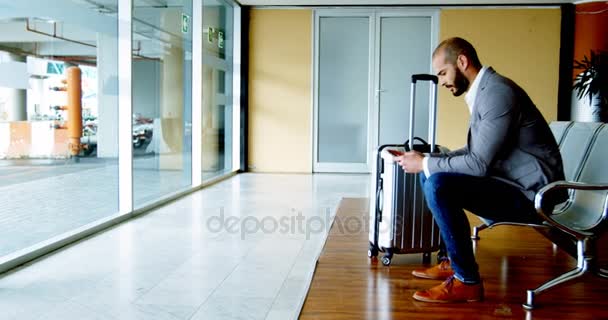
[217,88]
[54,176]
[162,64]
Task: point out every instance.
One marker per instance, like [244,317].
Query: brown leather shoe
[451,290]
[441,271]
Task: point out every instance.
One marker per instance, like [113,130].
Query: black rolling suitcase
[400,221]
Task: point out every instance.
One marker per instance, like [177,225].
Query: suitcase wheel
[426,257]
[372,251]
[386,260]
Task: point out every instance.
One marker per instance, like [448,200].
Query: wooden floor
[349,285]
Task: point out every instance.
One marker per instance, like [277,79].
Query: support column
[172,97]
[107,96]
[15,103]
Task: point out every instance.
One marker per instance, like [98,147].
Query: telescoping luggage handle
[432,109]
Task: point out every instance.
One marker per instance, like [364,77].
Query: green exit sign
[185,23]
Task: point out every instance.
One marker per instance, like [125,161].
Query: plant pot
[584,111]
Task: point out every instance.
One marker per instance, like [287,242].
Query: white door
[343,68]
[404,45]
[362,68]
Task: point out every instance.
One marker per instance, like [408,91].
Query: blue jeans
[448,194]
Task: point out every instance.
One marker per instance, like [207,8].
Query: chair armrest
[542,208]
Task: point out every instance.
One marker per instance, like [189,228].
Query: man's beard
[461,83]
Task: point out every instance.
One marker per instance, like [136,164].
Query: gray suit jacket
[508,139]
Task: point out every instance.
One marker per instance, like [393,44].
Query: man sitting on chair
[509,155]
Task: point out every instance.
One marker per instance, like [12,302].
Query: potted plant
[591,85]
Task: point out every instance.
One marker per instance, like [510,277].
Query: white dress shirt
[469,98]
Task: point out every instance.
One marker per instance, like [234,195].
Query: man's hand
[411,162]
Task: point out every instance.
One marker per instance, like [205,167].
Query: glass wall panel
[162,112]
[342,89]
[218,43]
[405,43]
[58,118]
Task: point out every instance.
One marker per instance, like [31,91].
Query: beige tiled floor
[242,249]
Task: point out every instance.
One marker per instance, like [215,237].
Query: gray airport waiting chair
[585,217]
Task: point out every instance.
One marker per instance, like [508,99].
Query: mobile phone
[395,152]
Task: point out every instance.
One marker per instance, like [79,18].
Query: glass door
[342,99]
[162,75]
[363,65]
[404,45]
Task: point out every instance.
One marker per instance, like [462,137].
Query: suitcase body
[400,220]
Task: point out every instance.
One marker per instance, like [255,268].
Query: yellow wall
[280,91]
[521,44]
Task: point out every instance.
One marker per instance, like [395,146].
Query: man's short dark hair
[453,47]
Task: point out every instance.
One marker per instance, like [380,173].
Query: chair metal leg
[572,274]
[602,273]
[475,235]
[583,262]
